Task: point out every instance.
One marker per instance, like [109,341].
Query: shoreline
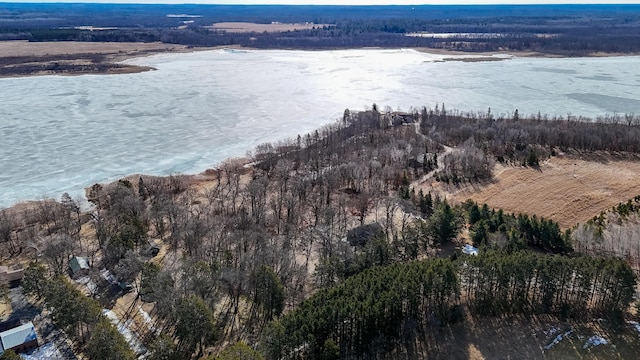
[202,175]
[26,59]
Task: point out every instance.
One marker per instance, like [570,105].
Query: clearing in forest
[566,189]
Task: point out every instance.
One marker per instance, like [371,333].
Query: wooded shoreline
[275,253]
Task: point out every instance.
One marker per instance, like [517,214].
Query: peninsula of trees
[328,246]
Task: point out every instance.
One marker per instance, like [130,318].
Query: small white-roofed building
[19,339]
[11,276]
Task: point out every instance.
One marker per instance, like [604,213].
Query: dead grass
[5,311]
[566,189]
[526,338]
[25,48]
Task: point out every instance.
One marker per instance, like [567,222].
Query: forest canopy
[325,246]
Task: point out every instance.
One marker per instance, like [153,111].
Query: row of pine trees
[374,312]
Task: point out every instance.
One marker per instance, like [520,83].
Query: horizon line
[353,3]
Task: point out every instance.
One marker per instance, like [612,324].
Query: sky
[349,2]
[425,2]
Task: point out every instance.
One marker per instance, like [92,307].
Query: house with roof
[360,236]
[19,339]
[10,276]
[152,249]
[79,266]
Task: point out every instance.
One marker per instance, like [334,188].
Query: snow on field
[123,328]
[595,341]
[558,339]
[44,352]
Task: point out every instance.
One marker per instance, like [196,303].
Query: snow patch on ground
[88,283]
[635,325]
[107,275]
[552,331]
[595,341]
[148,320]
[44,352]
[123,328]
[558,339]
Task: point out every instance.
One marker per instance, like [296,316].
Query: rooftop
[18,335]
[78,263]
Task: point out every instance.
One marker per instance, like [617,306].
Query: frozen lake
[60,134]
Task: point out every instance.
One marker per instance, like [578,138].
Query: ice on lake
[62,133]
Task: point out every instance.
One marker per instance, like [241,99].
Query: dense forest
[573,30]
[386,309]
[320,246]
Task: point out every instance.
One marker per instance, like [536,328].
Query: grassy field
[567,189]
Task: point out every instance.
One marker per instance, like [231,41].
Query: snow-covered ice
[63,133]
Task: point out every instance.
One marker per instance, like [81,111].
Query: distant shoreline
[26,59]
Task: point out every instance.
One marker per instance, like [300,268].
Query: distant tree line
[575,42]
[524,140]
[569,31]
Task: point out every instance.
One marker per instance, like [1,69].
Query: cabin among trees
[19,339]
[152,249]
[79,266]
[361,235]
[11,277]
